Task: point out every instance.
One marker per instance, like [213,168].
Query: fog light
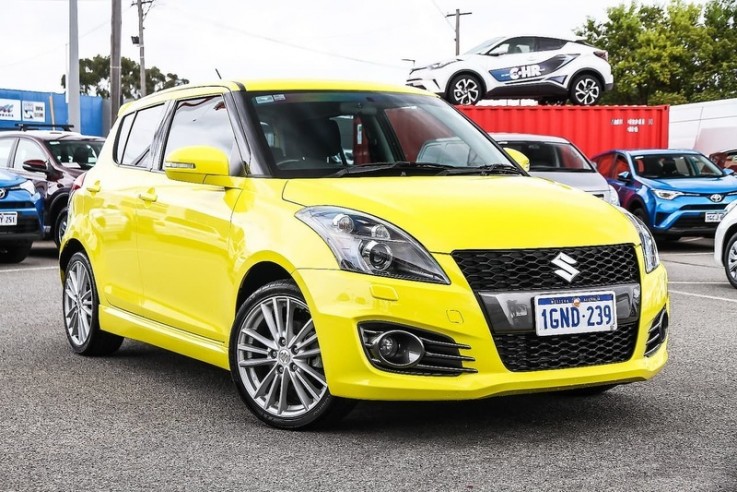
[399,349]
[378,256]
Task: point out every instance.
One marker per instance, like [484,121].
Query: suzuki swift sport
[288,232]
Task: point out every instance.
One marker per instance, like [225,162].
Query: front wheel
[730,260]
[80,306]
[276,362]
[586,90]
[465,90]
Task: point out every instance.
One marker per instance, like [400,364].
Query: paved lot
[146,419]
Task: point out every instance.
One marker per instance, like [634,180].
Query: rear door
[184,228]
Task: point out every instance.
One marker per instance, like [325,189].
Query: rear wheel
[14,251]
[80,305]
[586,90]
[60,226]
[276,362]
[465,90]
[730,260]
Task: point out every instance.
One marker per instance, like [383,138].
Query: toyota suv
[226,223]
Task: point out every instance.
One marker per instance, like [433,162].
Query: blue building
[17,107]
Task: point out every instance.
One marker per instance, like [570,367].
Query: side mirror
[728,172]
[35,166]
[519,158]
[198,164]
[625,176]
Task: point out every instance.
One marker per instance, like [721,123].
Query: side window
[138,146]
[204,121]
[6,145]
[549,44]
[620,166]
[604,164]
[27,151]
[123,131]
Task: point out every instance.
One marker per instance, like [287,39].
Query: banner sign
[10,109]
[34,111]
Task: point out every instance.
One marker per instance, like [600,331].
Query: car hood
[474,212]
[720,184]
[8,179]
[591,182]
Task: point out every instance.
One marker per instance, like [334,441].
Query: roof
[50,135]
[649,151]
[274,85]
[527,137]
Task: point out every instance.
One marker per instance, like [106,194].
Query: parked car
[223,222]
[52,160]
[725,243]
[675,192]
[726,159]
[21,217]
[557,159]
[551,69]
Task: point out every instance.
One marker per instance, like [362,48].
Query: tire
[589,390]
[586,90]
[730,260]
[14,251]
[60,226]
[465,90]
[640,213]
[266,360]
[80,305]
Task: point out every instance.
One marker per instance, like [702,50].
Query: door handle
[94,187]
[148,196]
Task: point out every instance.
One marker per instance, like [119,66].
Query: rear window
[79,154]
[552,156]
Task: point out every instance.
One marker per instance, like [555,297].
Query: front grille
[532,269]
[15,205]
[25,225]
[707,207]
[694,222]
[528,352]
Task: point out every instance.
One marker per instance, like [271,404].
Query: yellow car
[330,241]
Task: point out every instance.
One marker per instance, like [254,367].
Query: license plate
[8,218]
[714,216]
[575,313]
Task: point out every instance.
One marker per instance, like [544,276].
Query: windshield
[484,47]
[79,154]
[322,133]
[673,166]
[551,156]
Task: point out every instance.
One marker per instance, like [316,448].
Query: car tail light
[602,54]
[78,182]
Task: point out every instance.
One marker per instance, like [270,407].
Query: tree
[94,78]
[670,54]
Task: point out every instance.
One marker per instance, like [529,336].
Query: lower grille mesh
[528,352]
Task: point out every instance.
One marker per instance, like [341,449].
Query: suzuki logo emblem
[565,264]
[716,198]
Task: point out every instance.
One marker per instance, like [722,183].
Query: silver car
[557,159]
[725,243]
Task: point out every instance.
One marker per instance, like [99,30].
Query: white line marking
[690,240]
[29,269]
[687,254]
[704,297]
[697,283]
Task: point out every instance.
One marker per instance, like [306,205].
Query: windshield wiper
[379,167]
[497,168]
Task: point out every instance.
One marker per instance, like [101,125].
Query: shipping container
[593,129]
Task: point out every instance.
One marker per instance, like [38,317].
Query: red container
[593,129]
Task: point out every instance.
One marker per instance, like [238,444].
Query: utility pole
[73,73]
[140,47]
[458,15]
[115,60]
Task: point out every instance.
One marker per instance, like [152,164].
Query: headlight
[647,242]
[27,186]
[670,195]
[613,196]
[435,66]
[366,244]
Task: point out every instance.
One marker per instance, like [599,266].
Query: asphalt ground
[146,419]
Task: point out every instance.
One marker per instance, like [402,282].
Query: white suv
[550,69]
[725,243]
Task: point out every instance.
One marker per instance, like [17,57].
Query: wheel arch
[59,202]
[588,71]
[731,231]
[257,276]
[72,246]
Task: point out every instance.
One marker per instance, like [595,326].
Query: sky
[328,39]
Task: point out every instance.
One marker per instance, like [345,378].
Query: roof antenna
[218,72]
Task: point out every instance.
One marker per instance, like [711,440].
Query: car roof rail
[44,126]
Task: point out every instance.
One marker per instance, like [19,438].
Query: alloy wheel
[587,91]
[466,91]
[78,303]
[278,357]
[731,263]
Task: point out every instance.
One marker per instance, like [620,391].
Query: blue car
[21,217]
[675,192]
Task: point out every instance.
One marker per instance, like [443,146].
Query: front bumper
[340,300]
[30,212]
[686,216]
[427,83]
